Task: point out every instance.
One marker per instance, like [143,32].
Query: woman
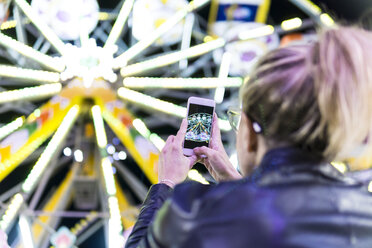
[303,107]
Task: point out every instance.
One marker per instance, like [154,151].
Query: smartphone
[199,123]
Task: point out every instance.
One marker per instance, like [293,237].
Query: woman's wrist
[168,182]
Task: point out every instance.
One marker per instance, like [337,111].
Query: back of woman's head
[317,96]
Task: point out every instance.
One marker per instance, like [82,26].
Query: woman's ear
[251,134]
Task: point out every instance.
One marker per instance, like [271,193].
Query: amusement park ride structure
[94,92]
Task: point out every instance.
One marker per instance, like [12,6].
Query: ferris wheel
[103,80]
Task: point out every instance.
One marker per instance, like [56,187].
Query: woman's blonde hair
[317,96]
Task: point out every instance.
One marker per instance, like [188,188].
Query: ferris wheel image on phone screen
[199,123]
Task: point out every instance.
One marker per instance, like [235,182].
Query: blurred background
[89,91]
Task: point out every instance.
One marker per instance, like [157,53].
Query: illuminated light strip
[307,6]
[31,93]
[99,127]
[181,83]
[11,127]
[147,101]
[327,20]
[11,211]
[291,24]
[223,74]
[82,224]
[140,126]
[8,24]
[151,102]
[50,150]
[158,142]
[50,62]
[29,74]
[340,166]
[196,176]
[313,10]
[124,135]
[123,59]
[172,58]
[370,186]
[108,176]
[119,23]
[26,234]
[102,16]
[257,32]
[41,26]
[115,224]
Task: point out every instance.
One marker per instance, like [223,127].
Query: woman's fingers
[199,151]
[193,159]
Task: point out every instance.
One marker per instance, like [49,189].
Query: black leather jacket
[291,200]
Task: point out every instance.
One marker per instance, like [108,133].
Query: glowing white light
[115,156]
[26,234]
[78,156]
[53,63]
[370,186]
[41,25]
[110,149]
[122,155]
[11,211]
[340,166]
[257,32]
[291,24]
[99,127]
[123,59]
[89,62]
[223,74]
[141,127]
[67,151]
[50,150]
[178,83]
[196,176]
[308,6]
[147,101]
[171,58]
[119,23]
[151,102]
[327,20]
[158,142]
[234,160]
[115,225]
[108,176]
[28,74]
[11,127]
[30,93]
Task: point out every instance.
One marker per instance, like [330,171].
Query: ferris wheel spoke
[123,133]
[149,102]
[315,12]
[47,61]
[48,33]
[140,46]
[31,93]
[117,29]
[11,127]
[181,83]
[51,149]
[29,74]
[172,58]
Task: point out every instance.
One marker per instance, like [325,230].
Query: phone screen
[199,126]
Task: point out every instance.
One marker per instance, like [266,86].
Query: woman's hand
[215,157]
[173,166]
